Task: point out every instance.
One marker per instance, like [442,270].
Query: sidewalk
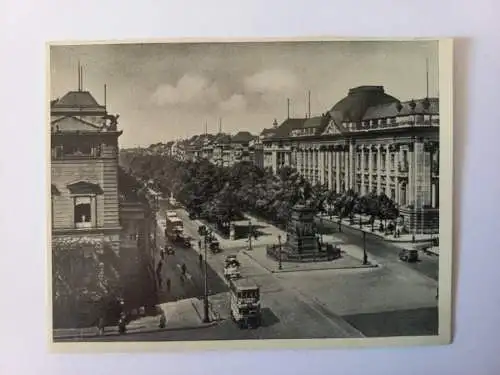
[347,261]
[404,241]
[183,314]
[269,234]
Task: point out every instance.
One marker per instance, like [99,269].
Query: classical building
[368,141]
[101,239]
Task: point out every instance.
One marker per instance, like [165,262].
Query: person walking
[200,258]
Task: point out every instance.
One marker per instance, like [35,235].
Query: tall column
[347,172]
[331,158]
[352,169]
[337,170]
[410,190]
[274,162]
[370,168]
[321,165]
[379,169]
[363,189]
[433,196]
[423,179]
[396,175]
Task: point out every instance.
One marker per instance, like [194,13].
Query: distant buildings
[221,149]
[101,226]
[367,142]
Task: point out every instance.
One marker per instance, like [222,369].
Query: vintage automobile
[232,270]
[169,250]
[214,246]
[408,255]
[231,259]
[202,230]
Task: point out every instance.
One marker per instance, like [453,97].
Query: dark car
[214,246]
[202,230]
[192,216]
[408,255]
[187,242]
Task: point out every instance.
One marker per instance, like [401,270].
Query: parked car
[192,216]
[408,255]
[231,259]
[169,250]
[202,230]
[214,246]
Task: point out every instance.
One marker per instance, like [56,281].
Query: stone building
[100,231]
[368,141]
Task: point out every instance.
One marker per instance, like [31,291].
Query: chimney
[287,108]
[105,98]
[275,123]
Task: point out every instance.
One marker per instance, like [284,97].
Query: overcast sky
[168,91]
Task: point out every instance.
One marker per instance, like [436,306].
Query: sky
[169,91]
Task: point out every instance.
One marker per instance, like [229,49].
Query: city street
[383,251]
[286,314]
[395,299]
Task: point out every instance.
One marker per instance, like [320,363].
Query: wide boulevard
[395,298]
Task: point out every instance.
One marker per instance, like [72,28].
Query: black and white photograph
[246,191]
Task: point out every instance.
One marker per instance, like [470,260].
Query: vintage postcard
[272,193]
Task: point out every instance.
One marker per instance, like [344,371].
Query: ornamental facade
[368,142]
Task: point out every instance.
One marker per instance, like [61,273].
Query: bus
[174,228]
[245,303]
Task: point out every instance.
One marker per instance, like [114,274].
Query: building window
[83,212]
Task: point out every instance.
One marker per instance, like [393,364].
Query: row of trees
[222,194]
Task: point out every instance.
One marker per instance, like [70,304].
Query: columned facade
[390,148]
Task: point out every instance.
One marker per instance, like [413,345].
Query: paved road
[286,313]
[193,284]
[385,251]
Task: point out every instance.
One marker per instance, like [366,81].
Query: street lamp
[365,255]
[279,258]
[250,235]
[206,318]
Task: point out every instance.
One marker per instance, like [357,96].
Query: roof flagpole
[79,76]
[309,104]
[427,77]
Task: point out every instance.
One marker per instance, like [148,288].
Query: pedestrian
[200,258]
[163,320]
[168,285]
[184,268]
[100,325]
[199,244]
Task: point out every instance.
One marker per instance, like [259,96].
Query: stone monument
[302,244]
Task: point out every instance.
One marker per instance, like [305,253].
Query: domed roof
[353,107]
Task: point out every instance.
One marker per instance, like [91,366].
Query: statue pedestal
[302,242]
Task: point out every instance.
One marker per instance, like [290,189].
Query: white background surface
[26,25]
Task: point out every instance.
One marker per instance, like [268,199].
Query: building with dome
[100,223]
[368,141]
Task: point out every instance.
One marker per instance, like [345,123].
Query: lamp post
[365,255]
[206,318]
[279,258]
[250,235]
